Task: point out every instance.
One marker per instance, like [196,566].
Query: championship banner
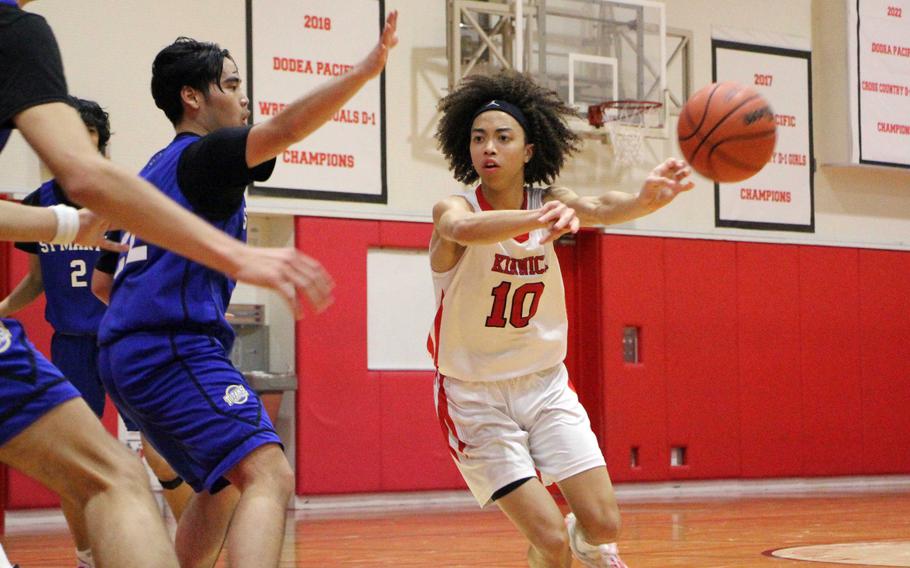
[781,196]
[293,47]
[882,81]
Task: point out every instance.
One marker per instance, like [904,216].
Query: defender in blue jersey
[46,430]
[165,340]
[63,273]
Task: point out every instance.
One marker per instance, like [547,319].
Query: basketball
[727,132]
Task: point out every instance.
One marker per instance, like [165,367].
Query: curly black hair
[544,110]
[94,117]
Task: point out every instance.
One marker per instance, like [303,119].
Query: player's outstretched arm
[454,220]
[26,291]
[26,224]
[303,116]
[456,225]
[59,137]
[662,185]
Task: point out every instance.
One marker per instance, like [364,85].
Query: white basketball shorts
[502,431]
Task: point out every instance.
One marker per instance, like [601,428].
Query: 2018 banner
[292,48]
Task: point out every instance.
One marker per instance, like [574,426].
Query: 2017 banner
[780,196]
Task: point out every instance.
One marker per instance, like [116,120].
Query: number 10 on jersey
[502,303]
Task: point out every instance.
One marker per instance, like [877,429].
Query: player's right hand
[91,232]
[374,63]
[559,218]
[666,181]
[290,273]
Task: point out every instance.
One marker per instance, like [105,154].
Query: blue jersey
[72,308]
[156,290]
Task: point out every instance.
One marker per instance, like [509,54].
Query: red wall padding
[566,255]
[769,360]
[830,355]
[359,430]
[885,359]
[583,284]
[634,395]
[762,360]
[702,379]
[5,248]
[414,454]
[338,412]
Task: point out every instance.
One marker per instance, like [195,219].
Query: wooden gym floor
[717,525]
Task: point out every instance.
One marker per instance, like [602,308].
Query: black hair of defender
[94,117]
[186,62]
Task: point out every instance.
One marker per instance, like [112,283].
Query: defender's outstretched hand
[288,272]
[375,61]
[664,183]
[560,219]
[91,232]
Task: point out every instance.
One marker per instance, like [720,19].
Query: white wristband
[67,224]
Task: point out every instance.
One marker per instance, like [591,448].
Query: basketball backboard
[588,51]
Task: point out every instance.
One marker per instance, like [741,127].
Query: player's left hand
[92,229]
[375,62]
[664,183]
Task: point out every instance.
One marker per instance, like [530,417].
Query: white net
[628,143]
[626,122]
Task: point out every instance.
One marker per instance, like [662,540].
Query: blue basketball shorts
[189,401]
[29,385]
[77,358]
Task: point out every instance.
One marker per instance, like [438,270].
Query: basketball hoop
[626,122]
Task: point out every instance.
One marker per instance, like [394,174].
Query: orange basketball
[727,132]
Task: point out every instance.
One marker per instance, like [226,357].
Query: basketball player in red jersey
[499,336]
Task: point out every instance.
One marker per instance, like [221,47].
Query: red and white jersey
[501,310]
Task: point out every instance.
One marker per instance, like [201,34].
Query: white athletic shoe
[601,556]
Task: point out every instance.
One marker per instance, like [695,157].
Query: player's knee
[283,478]
[551,542]
[601,525]
[127,472]
[268,467]
[120,471]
